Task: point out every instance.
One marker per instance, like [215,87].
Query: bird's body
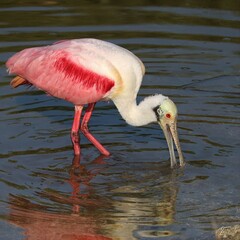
[80,71]
[85,71]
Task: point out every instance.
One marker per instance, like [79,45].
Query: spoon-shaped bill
[171,135]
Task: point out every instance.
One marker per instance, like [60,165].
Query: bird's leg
[88,135]
[75,130]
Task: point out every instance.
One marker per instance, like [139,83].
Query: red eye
[168,115]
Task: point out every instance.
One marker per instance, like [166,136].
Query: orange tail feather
[17,81]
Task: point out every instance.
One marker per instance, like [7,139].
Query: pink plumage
[56,72]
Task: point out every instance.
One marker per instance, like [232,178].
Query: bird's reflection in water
[81,176]
[130,211]
[40,224]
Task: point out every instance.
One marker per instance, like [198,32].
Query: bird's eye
[168,115]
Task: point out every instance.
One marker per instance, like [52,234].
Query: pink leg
[88,135]
[75,130]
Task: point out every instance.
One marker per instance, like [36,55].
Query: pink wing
[57,70]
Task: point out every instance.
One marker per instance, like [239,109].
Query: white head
[166,114]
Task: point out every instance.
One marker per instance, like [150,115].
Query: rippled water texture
[191,53]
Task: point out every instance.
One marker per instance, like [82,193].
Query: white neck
[139,115]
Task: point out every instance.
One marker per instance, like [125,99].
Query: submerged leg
[88,135]
[75,130]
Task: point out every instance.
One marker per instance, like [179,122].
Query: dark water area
[191,51]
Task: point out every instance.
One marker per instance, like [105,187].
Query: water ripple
[191,54]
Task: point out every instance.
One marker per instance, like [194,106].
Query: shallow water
[191,53]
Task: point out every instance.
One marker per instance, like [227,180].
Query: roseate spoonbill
[85,71]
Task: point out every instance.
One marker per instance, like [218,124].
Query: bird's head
[167,118]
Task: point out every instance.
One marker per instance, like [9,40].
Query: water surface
[191,53]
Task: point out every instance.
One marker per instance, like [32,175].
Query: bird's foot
[76,148]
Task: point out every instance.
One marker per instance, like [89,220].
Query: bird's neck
[141,114]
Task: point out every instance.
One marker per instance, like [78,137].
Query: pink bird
[85,71]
